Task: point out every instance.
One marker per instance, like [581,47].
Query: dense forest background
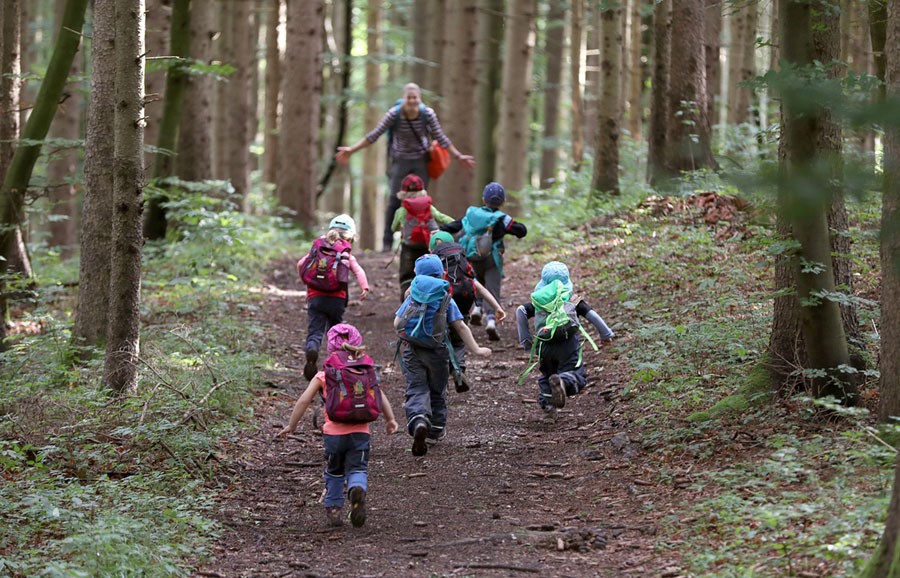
[157,155]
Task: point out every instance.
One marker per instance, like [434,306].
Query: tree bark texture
[592,45]
[18,174]
[437,40]
[223,51]
[741,60]
[688,143]
[512,157]
[297,178]
[92,310]
[157,22]
[606,159]
[238,95]
[490,67]
[659,89]
[167,136]
[554,43]
[820,317]
[889,402]
[420,13]
[339,32]
[372,212]
[576,71]
[457,187]
[10,82]
[635,74]
[712,44]
[273,85]
[123,335]
[194,160]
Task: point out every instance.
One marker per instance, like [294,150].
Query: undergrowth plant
[100,486]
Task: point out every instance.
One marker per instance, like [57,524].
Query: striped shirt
[405,145]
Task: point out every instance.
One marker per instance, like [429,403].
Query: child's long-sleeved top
[527,311]
[400,217]
[355,267]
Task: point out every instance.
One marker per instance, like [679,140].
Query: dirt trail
[503,495]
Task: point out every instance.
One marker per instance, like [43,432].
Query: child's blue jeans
[323,312]
[427,372]
[347,458]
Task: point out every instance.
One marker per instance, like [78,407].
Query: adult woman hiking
[410,126]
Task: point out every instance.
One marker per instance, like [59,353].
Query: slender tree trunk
[123,336]
[489,46]
[167,135]
[885,562]
[273,84]
[688,145]
[636,75]
[742,24]
[297,179]
[512,157]
[659,89]
[437,39]
[337,195]
[593,41]
[238,94]
[420,43]
[18,174]
[10,81]
[461,100]
[606,160]
[554,42]
[194,160]
[92,310]
[223,51]
[712,46]
[576,83]
[62,165]
[157,22]
[371,211]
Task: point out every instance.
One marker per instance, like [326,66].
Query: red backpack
[352,394]
[419,221]
[327,266]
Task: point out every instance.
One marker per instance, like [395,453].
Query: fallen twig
[499,566]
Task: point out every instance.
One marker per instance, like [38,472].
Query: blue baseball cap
[493,194]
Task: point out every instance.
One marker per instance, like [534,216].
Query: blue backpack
[396,109]
[425,315]
[478,230]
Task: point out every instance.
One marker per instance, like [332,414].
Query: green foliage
[95,486]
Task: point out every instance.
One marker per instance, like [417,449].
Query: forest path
[503,495]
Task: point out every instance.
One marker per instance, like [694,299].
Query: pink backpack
[327,266]
[352,394]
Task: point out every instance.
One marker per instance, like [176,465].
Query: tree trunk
[92,310]
[712,46]
[10,81]
[576,84]
[659,89]
[297,179]
[223,51]
[688,146]
[820,317]
[194,160]
[167,136]
[889,401]
[420,43]
[157,22]
[518,40]
[336,193]
[273,84]
[636,75]
[371,211]
[741,60]
[238,94]
[437,39]
[490,35]
[554,42]
[461,100]
[593,39]
[18,174]
[606,159]
[123,336]
[62,165]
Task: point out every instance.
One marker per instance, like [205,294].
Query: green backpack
[555,319]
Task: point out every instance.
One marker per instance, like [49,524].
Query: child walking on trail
[415,219]
[556,341]
[483,229]
[464,288]
[325,271]
[421,322]
[346,444]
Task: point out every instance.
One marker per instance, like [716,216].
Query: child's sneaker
[460,382]
[556,389]
[492,330]
[475,316]
[550,414]
[334,516]
[420,432]
[310,369]
[357,497]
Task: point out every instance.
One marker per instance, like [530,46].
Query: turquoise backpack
[478,230]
